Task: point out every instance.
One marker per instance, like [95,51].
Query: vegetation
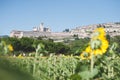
[78,45]
[27,45]
[60,68]
[97,58]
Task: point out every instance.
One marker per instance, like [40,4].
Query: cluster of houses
[112,29]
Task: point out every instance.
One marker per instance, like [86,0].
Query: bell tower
[41,28]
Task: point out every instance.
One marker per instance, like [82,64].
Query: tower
[41,28]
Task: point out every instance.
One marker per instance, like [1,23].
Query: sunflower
[100,30]
[20,56]
[104,45]
[10,47]
[97,52]
[98,44]
[99,33]
[88,49]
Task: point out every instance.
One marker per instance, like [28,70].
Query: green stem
[112,72]
[92,62]
[34,65]
[54,67]
[109,71]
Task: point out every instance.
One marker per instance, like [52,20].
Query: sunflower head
[101,30]
[95,35]
[88,49]
[95,44]
[98,33]
[10,47]
[98,44]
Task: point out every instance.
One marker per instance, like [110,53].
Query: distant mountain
[3,36]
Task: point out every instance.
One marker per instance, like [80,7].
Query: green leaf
[85,75]
[94,73]
[88,74]
[81,67]
[75,77]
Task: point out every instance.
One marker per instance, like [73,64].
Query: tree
[66,30]
[77,46]
[60,48]
[15,42]
[26,44]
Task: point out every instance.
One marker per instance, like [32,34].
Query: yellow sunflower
[104,45]
[20,56]
[10,47]
[88,49]
[98,44]
[97,52]
[102,48]
[99,33]
[100,30]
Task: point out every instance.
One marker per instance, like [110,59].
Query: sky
[56,14]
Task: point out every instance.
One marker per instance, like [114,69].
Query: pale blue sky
[57,14]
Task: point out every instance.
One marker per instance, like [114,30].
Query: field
[98,60]
[55,68]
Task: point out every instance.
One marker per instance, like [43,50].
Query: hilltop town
[112,29]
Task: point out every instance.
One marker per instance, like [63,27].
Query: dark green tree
[77,46]
[26,44]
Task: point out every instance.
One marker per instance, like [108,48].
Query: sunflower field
[98,61]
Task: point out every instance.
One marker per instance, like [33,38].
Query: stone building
[112,29]
[40,31]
